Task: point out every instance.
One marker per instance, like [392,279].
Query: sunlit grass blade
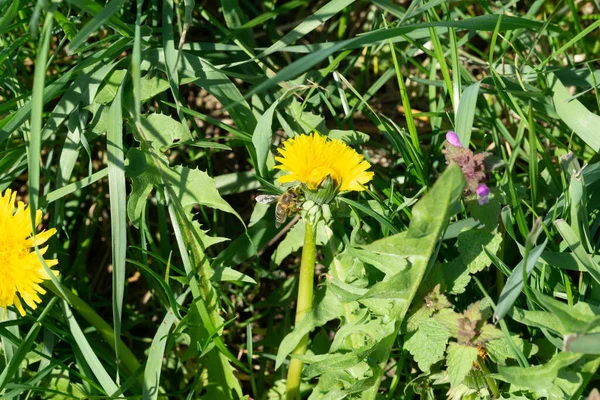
[118,210]
[319,17]
[154,363]
[91,358]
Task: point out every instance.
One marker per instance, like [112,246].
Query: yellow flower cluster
[309,159]
[21,271]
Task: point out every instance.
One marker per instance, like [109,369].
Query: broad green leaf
[574,242]
[350,137]
[466,113]
[321,364]
[118,208]
[428,344]
[537,376]
[236,182]
[514,285]
[161,131]
[540,319]
[460,361]
[293,241]
[156,354]
[471,244]
[325,308]
[111,87]
[419,244]
[499,350]
[191,186]
[262,139]
[574,114]
[228,274]
[572,319]
[587,343]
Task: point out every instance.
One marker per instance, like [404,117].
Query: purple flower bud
[483,192]
[452,138]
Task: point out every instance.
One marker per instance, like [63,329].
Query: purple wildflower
[472,165]
[483,192]
[452,138]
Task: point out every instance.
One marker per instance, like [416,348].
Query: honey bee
[286,204]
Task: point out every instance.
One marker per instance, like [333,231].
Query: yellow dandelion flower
[21,271]
[310,158]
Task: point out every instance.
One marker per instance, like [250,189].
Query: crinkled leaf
[428,343]
[499,350]
[460,361]
[415,319]
[470,246]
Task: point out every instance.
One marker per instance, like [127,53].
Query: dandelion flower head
[309,159]
[21,271]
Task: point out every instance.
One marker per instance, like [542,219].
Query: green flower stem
[491,382]
[304,304]
[130,362]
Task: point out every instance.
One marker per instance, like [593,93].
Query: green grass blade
[466,113]
[34,138]
[93,8]
[92,26]
[8,15]
[118,209]
[311,23]
[576,247]
[156,354]
[575,114]
[72,187]
[514,285]
[91,358]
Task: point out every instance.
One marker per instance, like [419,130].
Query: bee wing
[267,198]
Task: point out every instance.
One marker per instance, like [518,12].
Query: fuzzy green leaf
[428,344]
[460,361]
[499,349]
[470,245]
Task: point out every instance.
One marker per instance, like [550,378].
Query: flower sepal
[313,213]
[325,193]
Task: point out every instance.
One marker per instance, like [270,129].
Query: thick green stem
[491,382]
[304,304]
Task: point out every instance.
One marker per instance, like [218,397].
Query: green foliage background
[144,129]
